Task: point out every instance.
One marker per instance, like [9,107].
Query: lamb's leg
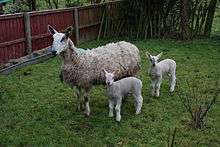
[158,83]
[86,98]
[118,109]
[139,102]
[153,85]
[111,107]
[172,82]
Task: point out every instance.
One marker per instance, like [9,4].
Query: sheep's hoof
[78,108]
[82,107]
[87,114]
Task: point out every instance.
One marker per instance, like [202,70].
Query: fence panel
[89,21]
[13,42]
[12,37]
[39,22]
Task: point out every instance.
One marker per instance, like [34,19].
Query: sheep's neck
[72,58]
[69,68]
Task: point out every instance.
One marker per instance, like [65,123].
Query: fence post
[27,26]
[76,18]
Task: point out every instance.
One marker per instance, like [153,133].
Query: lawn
[37,109]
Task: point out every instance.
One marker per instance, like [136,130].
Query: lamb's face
[109,78]
[153,59]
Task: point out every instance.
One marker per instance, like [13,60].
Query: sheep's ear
[68,31]
[148,55]
[159,55]
[71,46]
[51,30]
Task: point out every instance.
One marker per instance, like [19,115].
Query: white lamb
[119,89]
[158,69]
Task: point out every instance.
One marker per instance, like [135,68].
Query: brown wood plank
[3,44]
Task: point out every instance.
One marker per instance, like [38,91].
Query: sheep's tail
[127,71]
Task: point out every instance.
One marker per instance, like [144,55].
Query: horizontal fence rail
[23,33]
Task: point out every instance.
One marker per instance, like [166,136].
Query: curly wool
[84,70]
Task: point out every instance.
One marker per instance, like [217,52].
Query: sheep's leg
[79,103]
[111,107]
[172,82]
[118,109]
[153,85]
[86,98]
[158,83]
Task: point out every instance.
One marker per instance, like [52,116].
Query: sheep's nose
[54,53]
[108,83]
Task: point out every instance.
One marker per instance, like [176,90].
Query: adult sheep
[85,70]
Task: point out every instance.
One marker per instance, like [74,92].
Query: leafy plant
[181,19]
[198,101]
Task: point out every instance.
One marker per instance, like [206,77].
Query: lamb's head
[109,77]
[153,59]
[61,41]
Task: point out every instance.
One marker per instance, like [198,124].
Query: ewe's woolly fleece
[86,69]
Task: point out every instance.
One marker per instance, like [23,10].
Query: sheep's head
[109,77]
[61,41]
[153,59]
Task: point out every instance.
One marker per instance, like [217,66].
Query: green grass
[37,109]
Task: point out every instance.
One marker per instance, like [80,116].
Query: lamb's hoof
[110,115]
[171,90]
[118,118]
[157,95]
[152,94]
[137,112]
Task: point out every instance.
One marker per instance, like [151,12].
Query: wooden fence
[23,33]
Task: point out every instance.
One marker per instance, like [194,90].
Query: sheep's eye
[62,39]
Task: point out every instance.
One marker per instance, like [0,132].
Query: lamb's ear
[159,55]
[104,71]
[116,72]
[148,55]
[51,30]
